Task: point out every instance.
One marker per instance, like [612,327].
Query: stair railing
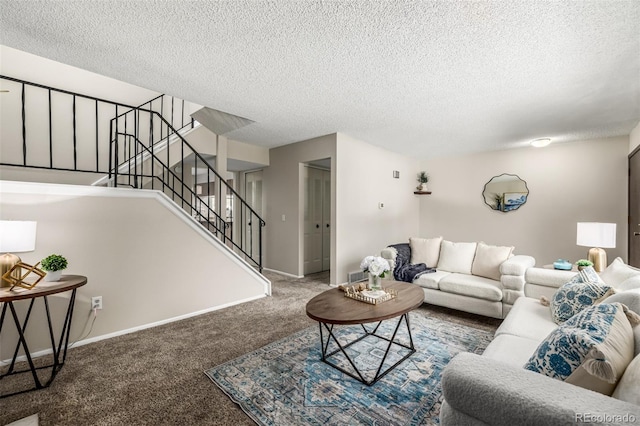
[48,123]
[147,152]
[51,121]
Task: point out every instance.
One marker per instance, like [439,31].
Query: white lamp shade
[17,236]
[595,234]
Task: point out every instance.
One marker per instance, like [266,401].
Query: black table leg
[59,351]
[342,349]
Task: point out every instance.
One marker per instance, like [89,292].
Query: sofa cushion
[631,299]
[629,284]
[579,293]
[425,250]
[456,257]
[618,272]
[628,388]
[470,285]
[431,280]
[488,259]
[510,349]
[590,350]
[529,319]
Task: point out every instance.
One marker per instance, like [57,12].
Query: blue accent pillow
[583,290]
[599,339]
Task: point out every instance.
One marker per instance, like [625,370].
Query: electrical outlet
[96,302]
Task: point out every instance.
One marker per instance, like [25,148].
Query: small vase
[375,282]
[53,276]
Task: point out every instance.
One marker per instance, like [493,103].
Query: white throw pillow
[456,257]
[618,272]
[425,250]
[488,260]
[628,388]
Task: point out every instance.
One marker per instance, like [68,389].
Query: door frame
[630,226]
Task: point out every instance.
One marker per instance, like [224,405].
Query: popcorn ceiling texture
[424,78]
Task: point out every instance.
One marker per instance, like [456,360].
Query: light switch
[283,218]
[381,205]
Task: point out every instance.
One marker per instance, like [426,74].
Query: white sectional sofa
[469,276]
[496,389]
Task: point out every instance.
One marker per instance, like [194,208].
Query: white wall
[362,177]
[148,261]
[634,138]
[365,179]
[571,182]
[284,195]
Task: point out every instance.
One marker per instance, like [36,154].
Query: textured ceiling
[425,78]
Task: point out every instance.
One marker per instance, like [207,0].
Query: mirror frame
[484,198]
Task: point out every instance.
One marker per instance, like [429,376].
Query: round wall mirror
[505,193]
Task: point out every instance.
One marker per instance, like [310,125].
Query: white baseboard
[286,274]
[133,329]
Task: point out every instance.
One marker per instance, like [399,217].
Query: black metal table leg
[342,349]
[59,351]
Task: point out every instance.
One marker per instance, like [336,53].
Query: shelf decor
[18,279]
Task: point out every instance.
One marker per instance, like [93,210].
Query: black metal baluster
[151,146]
[136,121]
[97,144]
[50,134]
[24,129]
[75,140]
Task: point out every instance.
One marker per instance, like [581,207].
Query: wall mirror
[505,192]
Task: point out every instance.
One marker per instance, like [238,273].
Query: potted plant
[54,264]
[423,178]
[583,263]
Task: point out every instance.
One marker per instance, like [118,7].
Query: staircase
[141,147]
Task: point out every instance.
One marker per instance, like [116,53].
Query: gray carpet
[155,376]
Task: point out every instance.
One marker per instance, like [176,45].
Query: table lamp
[598,236]
[15,237]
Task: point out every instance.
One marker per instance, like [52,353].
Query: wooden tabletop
[43,288]
[332,307]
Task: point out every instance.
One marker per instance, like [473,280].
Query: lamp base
[599,258]
[8,261]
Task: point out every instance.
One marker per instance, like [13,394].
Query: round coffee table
[333,308]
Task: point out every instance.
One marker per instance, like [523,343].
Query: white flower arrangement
[375,265]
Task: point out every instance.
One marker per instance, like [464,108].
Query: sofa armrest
[517,265]
[501,394]
[512,273]
[548,277]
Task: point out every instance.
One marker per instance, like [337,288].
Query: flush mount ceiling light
[539,143]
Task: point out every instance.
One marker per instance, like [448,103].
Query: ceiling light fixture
[539,143]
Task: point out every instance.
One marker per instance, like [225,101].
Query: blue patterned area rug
[286,383]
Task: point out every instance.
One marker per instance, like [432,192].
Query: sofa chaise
[496,389]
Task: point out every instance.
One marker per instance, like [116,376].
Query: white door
[317,220]
[326,220]
[253,197]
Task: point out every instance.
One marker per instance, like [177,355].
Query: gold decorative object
[363,295]
[23,270]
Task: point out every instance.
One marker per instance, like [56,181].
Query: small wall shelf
[422,192]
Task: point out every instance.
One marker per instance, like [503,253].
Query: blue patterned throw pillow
[591,350]
[582,291]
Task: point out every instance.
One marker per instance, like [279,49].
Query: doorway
[317,217]
[634,208]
